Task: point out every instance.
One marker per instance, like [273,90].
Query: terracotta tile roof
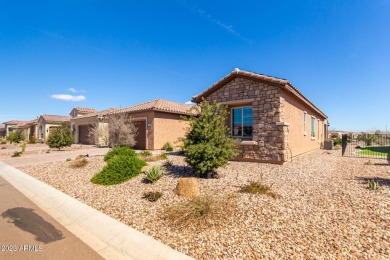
[98,113]
[56,118]
[256,76]
[85,110]
[16,122]
[159,105]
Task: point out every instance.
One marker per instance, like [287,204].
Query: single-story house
[29,129]
[157,121]
[46,123]
[271,119]
[82,125]
[13,125]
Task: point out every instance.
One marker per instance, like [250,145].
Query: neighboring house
[47,123]
[81,111]
[271,118]
[158,121]
[82,125]
[2,130]
[13,125]
[29,129]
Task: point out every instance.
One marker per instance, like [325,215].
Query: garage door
[141,137]
[84,134]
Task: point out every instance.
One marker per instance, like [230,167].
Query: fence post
[344,142]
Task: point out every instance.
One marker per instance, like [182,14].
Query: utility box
[328,145]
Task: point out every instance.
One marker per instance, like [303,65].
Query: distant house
[47,123]
[13,125]
[271,119]
[29,129]
[81,111]
[157,121]
[82,125]
[2,130]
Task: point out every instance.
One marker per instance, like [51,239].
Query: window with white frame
[242,121]
[313,127]
[304,123]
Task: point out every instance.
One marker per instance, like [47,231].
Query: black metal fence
[366,145]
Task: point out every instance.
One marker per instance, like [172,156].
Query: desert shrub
[15,136]
[168,147]
[162,156]
[337,141]
[373,184]
[153,174]
[32,140]
[199,212]
[145,153]
[168,163]
[3,147]
[119,151]
[119,169]
[60,137]
[152,196]
[79,163]
[121,130]
[17,154]
[208,144]
[3,141]
[258,188]
[23,146]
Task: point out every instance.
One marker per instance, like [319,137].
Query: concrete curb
[107,236]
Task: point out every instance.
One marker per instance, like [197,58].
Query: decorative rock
[187,187]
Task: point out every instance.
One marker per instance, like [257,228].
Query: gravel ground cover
[323,211]
[35,149]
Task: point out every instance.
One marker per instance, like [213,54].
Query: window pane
[237,122]
[247,121]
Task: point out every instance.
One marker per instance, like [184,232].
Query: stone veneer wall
[269,141]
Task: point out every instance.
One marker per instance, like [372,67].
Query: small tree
[60,137]
[208,144]
[99,134]
[122,130]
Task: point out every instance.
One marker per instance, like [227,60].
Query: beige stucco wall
[43,135]
[299,136]
[168,127]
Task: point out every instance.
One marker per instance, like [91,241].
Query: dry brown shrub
[200,212]
[258,188]
[79,163]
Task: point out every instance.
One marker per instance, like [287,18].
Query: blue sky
[120,53]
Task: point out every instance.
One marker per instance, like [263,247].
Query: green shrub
[373,184]
[337,141]
[119,169]
[60,137]
[168,147]
[17,154]
[153,174]
[120,151]
[152,196]
[32,140]
[145,154]
[208,144]
[15,136]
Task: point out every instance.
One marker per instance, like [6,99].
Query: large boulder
[187,187]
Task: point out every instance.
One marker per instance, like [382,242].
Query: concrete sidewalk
[110,238]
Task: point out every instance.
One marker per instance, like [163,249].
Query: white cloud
[189,103]
[72,90]
[68,97]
